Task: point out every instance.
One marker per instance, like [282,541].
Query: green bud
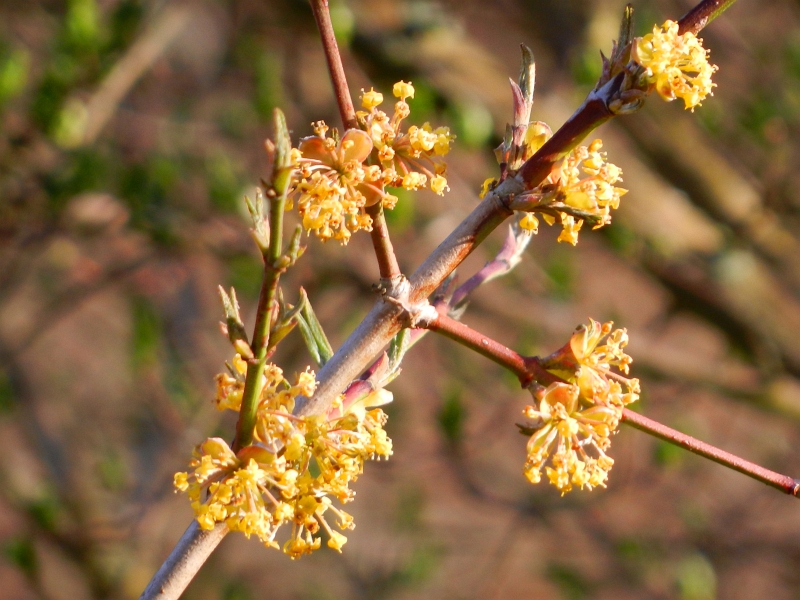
[233,321]
[282,170]
[260,230]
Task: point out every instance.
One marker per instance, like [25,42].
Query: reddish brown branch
[528,369]
[771,478]
[384,252]
[335,68]
[387,261]
[588,117]
[702,14]
[481,344]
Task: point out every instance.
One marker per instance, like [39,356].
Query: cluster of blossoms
[581,188]
[290,474]
[333,184]
[573,419]
[411,160]
[676,65]
[337,179]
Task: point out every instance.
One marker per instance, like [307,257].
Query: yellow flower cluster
[573,420]
[334,186]
[337,180]
[581,188]
[410,160]
[290,474]
[677,65]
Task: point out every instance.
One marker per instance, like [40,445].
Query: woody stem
[528,369]
[387,261]
[702,14]
[784,483]
[323,17]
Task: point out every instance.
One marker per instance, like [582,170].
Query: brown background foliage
[112,244]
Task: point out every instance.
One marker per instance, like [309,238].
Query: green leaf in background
[146,334]
[20,552]
[14,69]
[696,578]
[451,417]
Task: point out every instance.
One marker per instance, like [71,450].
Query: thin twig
[387,261]
[702,14]
[504,261]
[591,114]
[388,266]
[335,68]
[528,369]
[771,478]
[484,345]
[273,268]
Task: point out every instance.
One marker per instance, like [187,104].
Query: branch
[274,265]
[388,267]
[335,68]
[485,346]
[387,261]
[702,14]
[381,323]
[784,483]
[189,554]
[528,369]
[506,259]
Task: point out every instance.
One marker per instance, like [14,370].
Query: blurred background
[132,129]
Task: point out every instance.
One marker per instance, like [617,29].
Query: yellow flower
[371,99]
[333,186]
[595,360]
[412,159]
[439,185]
[181,481]
[487,185]
[529,223]
[581,188]
[268,484]
[403,90]
[414,180]
[570,230]
[578,436]
[229,392]
[336,541]
[572,423]
[676,65]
